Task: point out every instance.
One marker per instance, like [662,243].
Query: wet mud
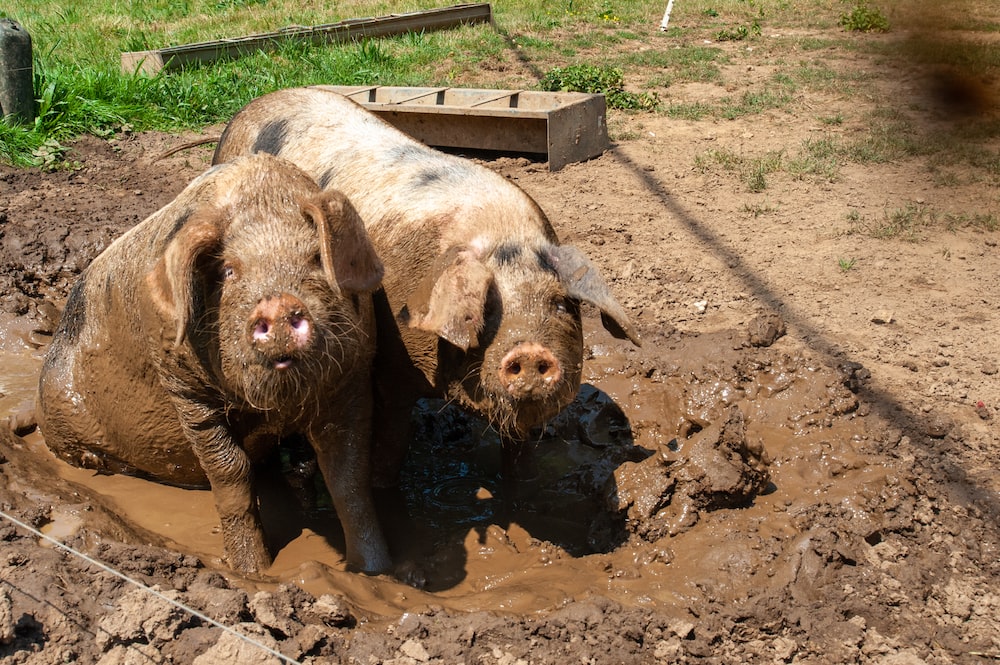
[733,491]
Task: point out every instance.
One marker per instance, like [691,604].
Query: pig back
[413,199]
[101,398]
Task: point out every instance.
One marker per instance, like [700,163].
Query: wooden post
[17,98]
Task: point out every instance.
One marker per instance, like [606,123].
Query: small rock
[883,316]
[415,650]
[332,611]
[936,427]
[784,648]
[682,628]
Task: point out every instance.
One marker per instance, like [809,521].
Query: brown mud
[799,465]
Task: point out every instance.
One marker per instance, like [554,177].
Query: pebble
[936,427]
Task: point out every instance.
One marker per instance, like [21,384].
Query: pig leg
[230,474]
[342,443]
[517,460]
[398,384]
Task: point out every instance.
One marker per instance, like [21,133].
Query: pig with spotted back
[236,315]
[480,303]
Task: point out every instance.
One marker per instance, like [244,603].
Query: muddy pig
[480,303]
[237,314]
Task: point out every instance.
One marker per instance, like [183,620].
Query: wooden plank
[421,95]
[508,133]
[507,94]
[151,62]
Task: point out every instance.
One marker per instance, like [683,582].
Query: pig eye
[228,271]
[561,305]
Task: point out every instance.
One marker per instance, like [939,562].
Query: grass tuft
[863,18]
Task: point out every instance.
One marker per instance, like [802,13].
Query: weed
[904,223]
[608,14]
[846,264]
[819,157]
[863,18]
[832,119]
[739,33]
[237,4]
[758,209]
[592,79]
[982,221]
[692,111]
[49,155]
[755,178]
[753,171]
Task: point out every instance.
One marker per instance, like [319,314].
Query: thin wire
[142,586]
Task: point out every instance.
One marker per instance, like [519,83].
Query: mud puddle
[702,456]
[690,468]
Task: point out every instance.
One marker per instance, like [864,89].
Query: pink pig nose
[281,325]
[529,370]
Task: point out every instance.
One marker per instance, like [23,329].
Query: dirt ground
[799,465]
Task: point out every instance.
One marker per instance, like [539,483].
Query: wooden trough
[172,57]
[564,127]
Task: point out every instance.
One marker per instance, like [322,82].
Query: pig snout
[281,327]
[529,371]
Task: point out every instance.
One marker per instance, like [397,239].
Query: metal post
[17,98]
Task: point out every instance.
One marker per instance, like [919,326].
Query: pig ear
[171,282]
[451,301]
[583,282]
[349,260]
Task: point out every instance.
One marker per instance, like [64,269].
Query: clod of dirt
[766,329]
[8,624]
[142,618]
[274,611]
[231,649]
[716,467]
[937,427]
[211,592]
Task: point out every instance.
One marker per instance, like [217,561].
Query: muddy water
[20,360]
[619,505]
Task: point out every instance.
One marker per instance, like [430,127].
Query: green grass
[911,222]
[80,89]
[846,264]
[863,17]
[753,170]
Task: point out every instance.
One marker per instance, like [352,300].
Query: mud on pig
[481,304]
[237,314]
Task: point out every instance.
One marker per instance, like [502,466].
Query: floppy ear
[451,301]
[349,260]
[171,282]
[583,282]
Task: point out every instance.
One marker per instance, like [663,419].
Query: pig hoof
[411,574]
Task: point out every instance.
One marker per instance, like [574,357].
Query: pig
[237,315]
[480,303]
